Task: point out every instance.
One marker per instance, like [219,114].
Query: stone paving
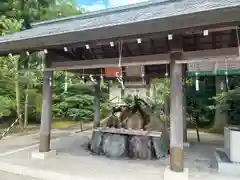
[14,143]
[74,162]
[11,176]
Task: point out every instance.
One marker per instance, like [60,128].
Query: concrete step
[223,164]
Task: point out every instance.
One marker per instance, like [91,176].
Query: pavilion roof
[142,18]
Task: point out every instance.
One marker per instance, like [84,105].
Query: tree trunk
[197,130]
[220,119]
[97,104]
[27,98]
[81,125]
[26,108]
[17,94]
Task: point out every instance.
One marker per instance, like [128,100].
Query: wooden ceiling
[151,45]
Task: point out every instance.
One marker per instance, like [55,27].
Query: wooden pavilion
[171,32]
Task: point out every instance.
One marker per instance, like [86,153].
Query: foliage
[198,102]
[8,26]
[6,106]
[228,101]
[61,9]
[129,99]
[161,93]
[77,103]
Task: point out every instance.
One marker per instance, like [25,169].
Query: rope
[43,63]
[120,49]
[83,75]
[10,127]
[118,75]
[226,72]
[92,79]
[238,41]
[95,75]
[143,74]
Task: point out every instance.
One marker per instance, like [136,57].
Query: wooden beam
[214,55]
[111,62]
[176,44]
[125,46]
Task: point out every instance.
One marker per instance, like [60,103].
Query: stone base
[186,144]
[223,164]
[170,175]
[43,155]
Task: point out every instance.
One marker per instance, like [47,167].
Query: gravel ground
[10,176]
[197,159]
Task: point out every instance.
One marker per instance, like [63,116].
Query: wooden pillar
[97,116]
[46,115]
[176,104]
[176,119]
[185,138]
[123,90]
[184,104]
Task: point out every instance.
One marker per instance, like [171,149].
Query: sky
[94,5]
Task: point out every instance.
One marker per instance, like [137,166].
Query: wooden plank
[215,55]
[129,132]
[135,71]
[111,62]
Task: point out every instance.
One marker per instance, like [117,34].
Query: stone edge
[170,175]
[37,173]
[43,155]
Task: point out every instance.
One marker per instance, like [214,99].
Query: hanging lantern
[101,79]
[66,83]
[197,82]
[120,80]
[83,77]
[101,76]
[222,86]
[226,77]
[50,82]
[166,74]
